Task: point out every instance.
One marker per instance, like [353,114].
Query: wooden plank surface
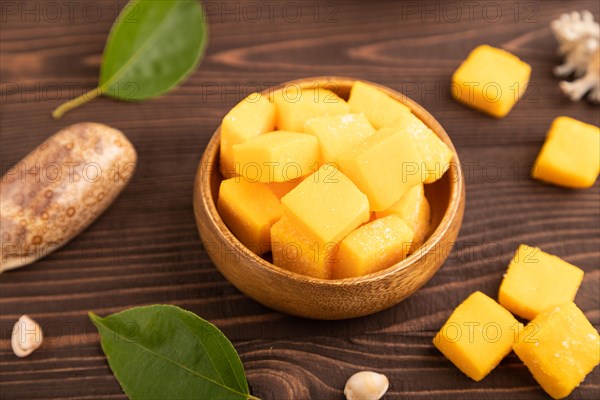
[146,249]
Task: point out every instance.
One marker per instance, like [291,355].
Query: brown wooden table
[146,249]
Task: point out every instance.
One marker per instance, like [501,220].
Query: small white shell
[366,385]
[26,336]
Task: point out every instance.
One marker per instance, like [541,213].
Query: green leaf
[152,47]
[165,352]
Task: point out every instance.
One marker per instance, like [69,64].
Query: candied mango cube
[249,118]
[295,252]
[295,106]
[570,156]
[338,134]
[559,347]
[477,336]
[326,206]
[384,166]
[536,281]
[414,209]
[490,80]
[373,247]
[379,108]
[435,153]
[280,189]
[277,156]
[249,210]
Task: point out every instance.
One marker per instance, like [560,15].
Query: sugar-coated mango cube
[249,118]
[413,208]
[384,166]
[326,206]
[379,108]
[560,347]
[491,80]
[435,153]
[295,252]
[338,134]
[295,106]
[570,156]
[536,281]
[277,156]
[373,247]
[477,336]
[249,210]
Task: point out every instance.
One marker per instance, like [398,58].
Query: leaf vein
[138,53]
[185,368]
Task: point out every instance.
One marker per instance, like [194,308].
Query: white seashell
[578,36]
[366,385]
[26,336]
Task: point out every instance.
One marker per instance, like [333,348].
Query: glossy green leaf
[152,47]
[165,352]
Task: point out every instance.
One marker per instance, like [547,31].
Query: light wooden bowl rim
[202,191]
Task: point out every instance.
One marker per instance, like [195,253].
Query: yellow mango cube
[384,166]
[379,108]
[373,247]
[280,189]
[295,106]
[490,80]
[297,253]
[559,347]
[477,336]
[338,134]
[413,208]
[435,153]
[326,206]
[249,210]
[249,118]
[277,156]
[536,281]
[570,156]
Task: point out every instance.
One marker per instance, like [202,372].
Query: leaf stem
[250,397]
[79,101]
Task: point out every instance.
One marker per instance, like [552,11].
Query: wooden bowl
[330,299]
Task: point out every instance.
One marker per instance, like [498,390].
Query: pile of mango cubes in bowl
[331,188]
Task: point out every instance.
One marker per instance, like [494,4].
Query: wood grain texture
[145,249]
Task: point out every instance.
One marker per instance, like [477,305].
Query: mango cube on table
[294,251]
[249,210]
[384,166]
[477,336]
[560,347]
[379,108]
[296,106]
[435,153]
[249,118]
[373,247]
[490,80]
[338,134]
[413,208]
[536,281]
[326,206]
[570,156]
[277,156]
